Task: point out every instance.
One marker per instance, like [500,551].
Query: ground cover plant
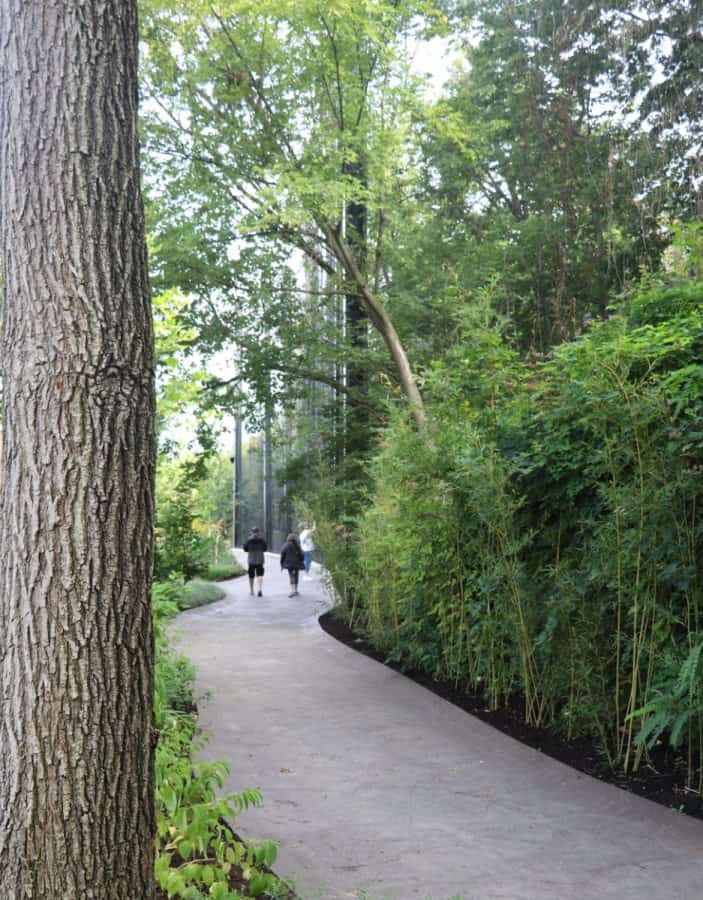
[198,593]
[545,544]
[198,854]
[224,568]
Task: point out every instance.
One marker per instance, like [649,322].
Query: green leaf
[185,849]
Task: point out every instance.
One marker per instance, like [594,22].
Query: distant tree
[76,644]
[538,158]
[182,546]
[215,492]
[657,54]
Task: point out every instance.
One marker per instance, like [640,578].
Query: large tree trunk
[76,644]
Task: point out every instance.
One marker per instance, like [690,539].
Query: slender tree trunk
[357,324]
[238,493]
[268,474]
[76,643]
[382,322]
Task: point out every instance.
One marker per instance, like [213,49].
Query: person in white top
[307,545]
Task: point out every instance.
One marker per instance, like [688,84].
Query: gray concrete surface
[376,788]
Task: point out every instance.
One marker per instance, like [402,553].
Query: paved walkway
[375,788]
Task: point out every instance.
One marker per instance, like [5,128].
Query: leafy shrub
[165,600]
[180,547]
[175,680]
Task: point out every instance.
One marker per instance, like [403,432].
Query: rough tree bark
[76,643]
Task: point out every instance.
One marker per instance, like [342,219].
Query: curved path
[376,788]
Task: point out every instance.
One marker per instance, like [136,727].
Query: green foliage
[198,856]
[178,382]
[551,168]
[674,703]
[198,853]
[182,547]
[528,179]
[213,493]
[165,598]
[175,674]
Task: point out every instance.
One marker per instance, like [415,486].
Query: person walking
[255,547]
[292,560]
[307,545]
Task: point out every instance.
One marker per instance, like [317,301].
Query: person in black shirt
[255,547]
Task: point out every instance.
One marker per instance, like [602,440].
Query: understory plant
[198,855]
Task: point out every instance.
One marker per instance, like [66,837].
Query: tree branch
[335,54]
[303,374]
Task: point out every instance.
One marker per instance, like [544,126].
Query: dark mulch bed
[661,778]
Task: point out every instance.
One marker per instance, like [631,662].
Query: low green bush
[198,593]
[222,571]
[175,680]
[199,856]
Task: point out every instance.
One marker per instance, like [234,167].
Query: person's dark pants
[293,578]
[257,570]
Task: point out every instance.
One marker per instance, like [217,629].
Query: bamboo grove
[547,542]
